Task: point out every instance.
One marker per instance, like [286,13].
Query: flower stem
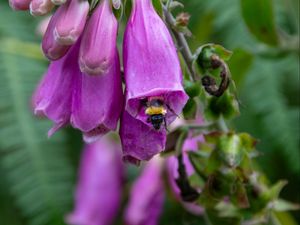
[182,44]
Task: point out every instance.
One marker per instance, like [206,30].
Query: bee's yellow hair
[152,110]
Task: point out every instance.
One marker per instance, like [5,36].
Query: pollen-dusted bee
[155,109]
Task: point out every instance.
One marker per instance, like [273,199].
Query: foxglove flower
[19,4]
[99,188]
[147,196]
[70,24]
[91,104]
[51,48]
[190,144]
[40,7]
[151,64]
[53,97]
[99,41]
[139,141]
[98,102]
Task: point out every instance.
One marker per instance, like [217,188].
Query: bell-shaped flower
[91,104]
[97,51]
[98,102]
[51,48]
[71,22]
[19,4]
[40,7]
[151,64]
[139,141]
[99,187]
[53,97]
[147,196]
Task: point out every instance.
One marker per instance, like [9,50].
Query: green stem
[182,44]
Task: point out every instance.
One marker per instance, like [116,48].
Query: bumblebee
[156,111]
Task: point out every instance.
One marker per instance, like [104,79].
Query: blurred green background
[37,174]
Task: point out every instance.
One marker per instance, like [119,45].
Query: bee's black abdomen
[157,120]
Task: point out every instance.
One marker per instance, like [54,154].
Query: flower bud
[51,48]
[139,141]
[99,188]
[98,102]
[99,41]
[71,23]
[147,196]
[40,7]
[19,4]
[151,64]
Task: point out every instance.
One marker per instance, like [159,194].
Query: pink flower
[98,45]
[70,24]
[53,97]
[97,102]
[40,7]
[146,196]
[151,65]
[51,48]
[98,192]
[139,141]
[19,4]
[91,104]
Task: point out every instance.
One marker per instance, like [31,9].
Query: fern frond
[37,168]
[278,120]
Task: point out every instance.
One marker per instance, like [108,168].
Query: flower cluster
[83,85]
[98,193]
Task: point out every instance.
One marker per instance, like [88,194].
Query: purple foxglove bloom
[99,189]
[70,24]
[51,48]
[139,141]
[147,196]
[19,4]
[190,144]
[53,97]
[98,102]
[40,7]
[98,45]
[151,63]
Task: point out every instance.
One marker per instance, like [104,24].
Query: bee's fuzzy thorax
[152,110]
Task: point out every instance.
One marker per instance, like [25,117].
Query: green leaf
[193,89]
[225,105]
[230,149]
[283,205]
[127,8]
[239,64]
[198,161]
[248,142]
[259,17]
[190,109]
[215,219]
